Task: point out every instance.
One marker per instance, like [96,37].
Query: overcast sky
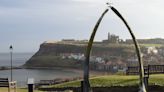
[27,23]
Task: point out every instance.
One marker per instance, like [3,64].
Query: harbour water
[21,75]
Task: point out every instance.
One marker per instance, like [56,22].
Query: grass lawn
[105,81]
[18,90]
[115,80]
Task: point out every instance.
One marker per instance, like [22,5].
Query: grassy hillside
[50,55]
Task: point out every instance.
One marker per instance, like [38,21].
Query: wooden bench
[4,82]
[150,69]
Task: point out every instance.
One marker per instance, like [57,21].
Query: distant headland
[112,54]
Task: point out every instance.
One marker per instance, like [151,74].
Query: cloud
[38,20]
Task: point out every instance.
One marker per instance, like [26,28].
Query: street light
[11,52]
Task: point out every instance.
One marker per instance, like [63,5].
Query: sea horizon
[21,75]
[18,58]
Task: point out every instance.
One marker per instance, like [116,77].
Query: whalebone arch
[86,83]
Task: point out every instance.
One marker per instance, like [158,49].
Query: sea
[22,75]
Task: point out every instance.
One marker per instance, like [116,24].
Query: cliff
[71,54]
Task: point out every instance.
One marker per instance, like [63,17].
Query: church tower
[109,37]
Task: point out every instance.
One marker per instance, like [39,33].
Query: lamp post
[11,52]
